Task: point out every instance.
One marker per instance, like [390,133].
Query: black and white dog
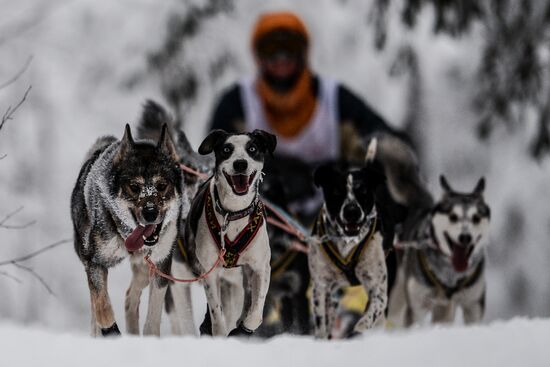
[127,203]
[228,213]
[442,267]
[350,249]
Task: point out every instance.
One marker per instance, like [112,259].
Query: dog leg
[295,314]
[157,293]
[169,307]
[258,280]
[375,282]
[414,314]
[101,304]
[397,303]
[95,329]
[213,297]
[331,309]
[235,296]
[140,280]
[183,305]
[417,297]
[474,313]
[443,313]
[319,300]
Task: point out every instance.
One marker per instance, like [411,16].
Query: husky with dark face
[126,203]
[350,250]
[442,267]
[227,213]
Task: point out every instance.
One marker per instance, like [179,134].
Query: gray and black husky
[127,202]
[443,263]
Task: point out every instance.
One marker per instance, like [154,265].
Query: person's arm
[352,109]
[229,111]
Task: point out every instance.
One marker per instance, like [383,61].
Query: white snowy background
[89,77]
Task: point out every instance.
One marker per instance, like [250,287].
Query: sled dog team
[132,199]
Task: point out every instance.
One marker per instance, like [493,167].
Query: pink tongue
[240,182]
[460,258]
[135,240]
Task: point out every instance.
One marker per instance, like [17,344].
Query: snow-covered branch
[7,217]
[18,260]
[8,115]
[14,78]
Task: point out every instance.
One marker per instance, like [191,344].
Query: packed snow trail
[519,342]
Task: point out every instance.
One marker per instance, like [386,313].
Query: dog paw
[241,331]
[111,331]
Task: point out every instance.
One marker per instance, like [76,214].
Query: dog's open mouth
[143,235]
[351,229]
[460,254]
[240,183]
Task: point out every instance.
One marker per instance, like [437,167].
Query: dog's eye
[476,219]
[161,186]
[134,188]
[227,149]
[453,218]
[252,149]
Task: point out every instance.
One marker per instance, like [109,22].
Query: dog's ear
[212,140]
[126,144]
[480,187]
[445,185]
[267,141]
[323,174]
[166,144]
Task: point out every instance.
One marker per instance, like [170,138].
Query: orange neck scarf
[288,113]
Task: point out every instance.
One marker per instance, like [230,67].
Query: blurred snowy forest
[469,80]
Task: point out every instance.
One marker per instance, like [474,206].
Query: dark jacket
[229,113]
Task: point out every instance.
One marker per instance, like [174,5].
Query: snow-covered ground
[519,342]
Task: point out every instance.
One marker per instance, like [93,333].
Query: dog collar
[229,215]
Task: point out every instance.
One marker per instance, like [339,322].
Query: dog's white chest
[345,248]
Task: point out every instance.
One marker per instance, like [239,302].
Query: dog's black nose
[464,238]
[150,213]
[352,213]
[240,165]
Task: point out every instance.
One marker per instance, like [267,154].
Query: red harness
[233,249]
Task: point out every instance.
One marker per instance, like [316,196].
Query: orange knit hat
[269,22]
